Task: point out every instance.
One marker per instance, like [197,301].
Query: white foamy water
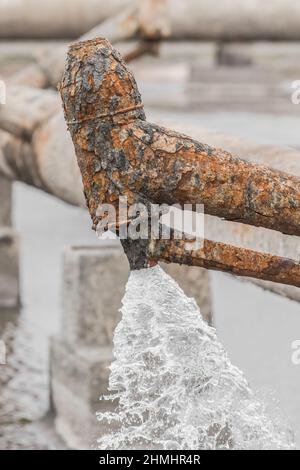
[174,383]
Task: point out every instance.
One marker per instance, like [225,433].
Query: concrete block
[9,268]
[84,371]
[94,281]
[79,376]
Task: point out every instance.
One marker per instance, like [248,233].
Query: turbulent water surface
[174,383]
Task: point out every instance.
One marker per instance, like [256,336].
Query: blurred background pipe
[54,18]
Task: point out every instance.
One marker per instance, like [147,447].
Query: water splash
[175,386]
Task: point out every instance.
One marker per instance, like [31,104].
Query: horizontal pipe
[227,258]
[222,20]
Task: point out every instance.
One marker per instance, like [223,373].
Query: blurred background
[224,73]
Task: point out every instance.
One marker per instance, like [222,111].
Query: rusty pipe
[227,258]
[120,154]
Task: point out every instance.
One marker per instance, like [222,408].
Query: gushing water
[173,382]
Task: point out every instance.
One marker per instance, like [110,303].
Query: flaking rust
[121,154]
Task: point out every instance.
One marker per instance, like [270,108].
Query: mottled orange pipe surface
[223,257]
[120,153]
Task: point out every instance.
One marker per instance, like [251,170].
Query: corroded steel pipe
[120,153]
[223,257]
[60,18]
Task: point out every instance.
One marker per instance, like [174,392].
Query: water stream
[174,383]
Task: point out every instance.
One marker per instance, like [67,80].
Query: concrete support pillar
[93,286]
[94,281]
[9,257]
